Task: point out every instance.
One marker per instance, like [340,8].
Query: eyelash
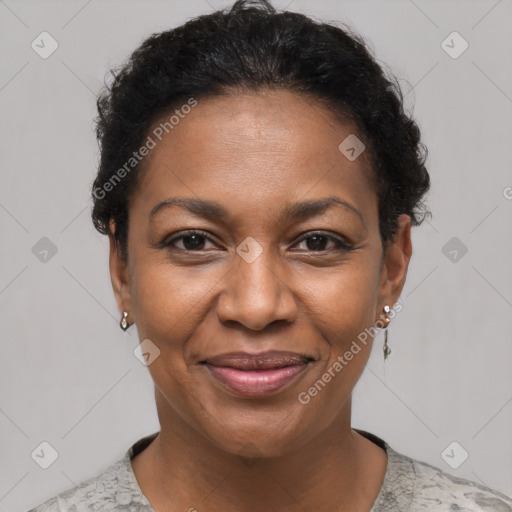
[340,245]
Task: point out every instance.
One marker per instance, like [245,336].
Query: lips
[256,375]
[263,361]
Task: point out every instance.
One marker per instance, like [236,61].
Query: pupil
[315,245]
[197,242]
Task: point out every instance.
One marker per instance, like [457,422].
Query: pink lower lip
[256,383]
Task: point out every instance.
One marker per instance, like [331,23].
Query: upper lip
[262,361]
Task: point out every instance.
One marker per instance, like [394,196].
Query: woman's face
[286,257]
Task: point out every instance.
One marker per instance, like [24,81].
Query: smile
[256,375]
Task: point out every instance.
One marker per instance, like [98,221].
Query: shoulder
[435,489]
[113,489]
[441,489]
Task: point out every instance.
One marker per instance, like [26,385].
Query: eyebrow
[214,211]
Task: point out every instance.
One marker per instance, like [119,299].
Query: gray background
[68,373]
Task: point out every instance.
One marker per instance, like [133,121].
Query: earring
[124,323]
[386,349]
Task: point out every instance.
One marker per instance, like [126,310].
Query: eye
[191,241]
[195,241]
[317,242]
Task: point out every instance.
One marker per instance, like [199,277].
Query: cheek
[341,302]
[168,304]
[168,301]
[343,306]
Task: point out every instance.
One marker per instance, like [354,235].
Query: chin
[254,434]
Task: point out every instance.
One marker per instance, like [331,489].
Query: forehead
[254,151]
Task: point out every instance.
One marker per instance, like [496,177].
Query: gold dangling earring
[124,323]
[386,349]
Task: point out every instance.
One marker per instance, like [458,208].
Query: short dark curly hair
[250,47]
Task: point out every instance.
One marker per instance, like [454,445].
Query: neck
[330,472]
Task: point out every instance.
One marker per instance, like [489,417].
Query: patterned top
[410,485]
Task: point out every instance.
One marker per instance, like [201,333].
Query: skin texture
[254,153]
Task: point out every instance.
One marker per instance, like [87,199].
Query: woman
[258,183]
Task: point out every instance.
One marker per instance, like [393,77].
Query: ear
[394,267]
[119,275]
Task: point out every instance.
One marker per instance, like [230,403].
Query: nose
[255,296]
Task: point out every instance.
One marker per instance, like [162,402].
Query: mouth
[256,375]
